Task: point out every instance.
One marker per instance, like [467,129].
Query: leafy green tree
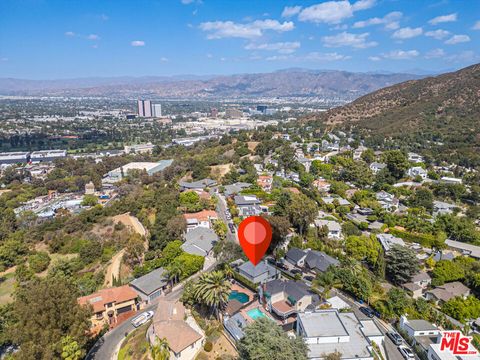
[397,163]
[70,349]
[176,227]
[301,211]
[446,271]
[47,310]
[160,350]
[89,200]
[462,309]
[363,248]
[220,229]
[212,289]
[190,200]
[134,250]
[401,264]
[39,261]
[422,198]
[265,340]
[368,156]
[190,264]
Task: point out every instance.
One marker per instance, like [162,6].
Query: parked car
[231,227]
[396,338]
[142,318]
[309,278]
[271,261]
[281,265]
[406,353]
[367,311]
[295,271]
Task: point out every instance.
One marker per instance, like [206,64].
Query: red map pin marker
[255,234]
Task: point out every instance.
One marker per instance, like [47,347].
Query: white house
[334,228]
[376,167]
[417,171]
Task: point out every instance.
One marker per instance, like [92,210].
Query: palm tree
[228,271]
[212,289]
[327,281]
[173,274]
[160,351]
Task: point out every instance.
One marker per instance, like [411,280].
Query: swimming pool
[240,296]
[255,314]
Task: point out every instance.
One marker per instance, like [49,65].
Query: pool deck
[237,287]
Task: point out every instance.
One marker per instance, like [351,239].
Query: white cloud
[438,34]
[333,56]
[3,59]
[467,56]
[137,43]
[333,12]
[209,56]
[70,34]
[443,19]
[186,2]
[103,17]
[93,37]
[281,47]
[476,26]
[401,54]
[407,33]
[390,21]
[358,41]
[290,11]
[226,29]
[312,56]
[435,53]
[95,46]
[374,58]
[457,39]
[163,59]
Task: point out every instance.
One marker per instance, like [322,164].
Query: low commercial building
[329,331]
[139,148]
[150,168]
[150,286]
[47,155]
[17,157]
[109,304]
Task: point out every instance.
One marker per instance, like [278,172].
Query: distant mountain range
[289,83]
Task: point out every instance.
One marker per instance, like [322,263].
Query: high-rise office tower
[157,110]
[144,108]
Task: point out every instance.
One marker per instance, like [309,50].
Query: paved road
[107,347]
[221,208]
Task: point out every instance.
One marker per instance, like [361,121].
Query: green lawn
[6,288]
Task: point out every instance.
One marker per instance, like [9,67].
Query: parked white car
[142,318]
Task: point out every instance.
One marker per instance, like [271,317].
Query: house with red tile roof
[109,305]
[202,218]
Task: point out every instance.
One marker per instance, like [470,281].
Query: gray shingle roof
[150,282]
[199,241]
[320,261]
[295,254]
[200,184]
[255,271]
[294,289]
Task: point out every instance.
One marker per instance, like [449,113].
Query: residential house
[172,323]
[464,248]
[418,284]
[451,180]
[443,208]
[150,286]
[234,189]
[415,171]
[388,201]
[322,185]
[376,167]
[248,205]
[357,154]
[388,240]
[109,304]
[331,199]
[418,328]
[202,218]
[260,273]
[265,182]
[330,331]
[415,158]
[443,255]
[334,228]
[286,297]
[307,163]
[441,294]
[296,256]
[414,290]
[197,185]
[318,261]
[200,241]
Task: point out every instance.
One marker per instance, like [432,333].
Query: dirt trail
[113,268]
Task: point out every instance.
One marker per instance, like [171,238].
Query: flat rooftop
[322,324]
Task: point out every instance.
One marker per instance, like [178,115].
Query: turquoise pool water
[255,314]
[240,296]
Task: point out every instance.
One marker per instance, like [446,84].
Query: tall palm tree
[173,274]
[212,289]
[228,271]
[160,351]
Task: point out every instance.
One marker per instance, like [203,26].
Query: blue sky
[47,39]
